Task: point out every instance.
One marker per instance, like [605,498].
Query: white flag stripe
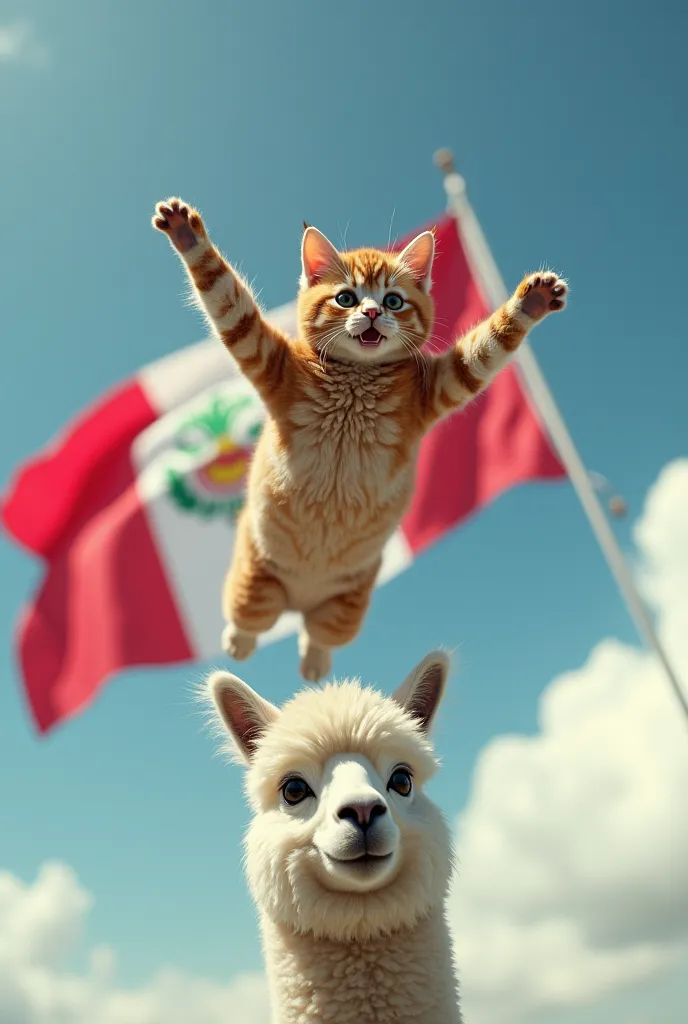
[195,390]
[172,380]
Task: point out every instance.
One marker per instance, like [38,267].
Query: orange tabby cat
[348,405]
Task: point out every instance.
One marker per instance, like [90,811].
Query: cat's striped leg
[466,369]
[261,351]
[334,623]
[253,599]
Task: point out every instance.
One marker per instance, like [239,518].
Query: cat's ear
[318,257]
[421,692]
[417,258]
[244,713]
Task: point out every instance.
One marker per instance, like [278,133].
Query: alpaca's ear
[318,257]
[417,258]
[244,712]
[422,690]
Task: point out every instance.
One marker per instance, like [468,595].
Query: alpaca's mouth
[364,859]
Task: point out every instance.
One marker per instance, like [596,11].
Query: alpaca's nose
[362,812]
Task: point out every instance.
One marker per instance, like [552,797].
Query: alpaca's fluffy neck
[404,978]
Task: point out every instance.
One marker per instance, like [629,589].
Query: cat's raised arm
[462,372]
[260,349]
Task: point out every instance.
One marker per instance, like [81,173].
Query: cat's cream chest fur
[344,473]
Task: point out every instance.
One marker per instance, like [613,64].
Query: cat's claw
[180,222]
[541,293]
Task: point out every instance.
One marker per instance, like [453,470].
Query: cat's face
[368,305]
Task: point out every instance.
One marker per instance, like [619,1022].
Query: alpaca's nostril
[362,814]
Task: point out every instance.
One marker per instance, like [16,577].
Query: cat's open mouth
[370,337]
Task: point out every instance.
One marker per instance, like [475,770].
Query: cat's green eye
[393,301]
[346,299]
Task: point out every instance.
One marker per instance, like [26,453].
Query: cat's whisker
[343,234]
[331,333]
[416,353]
[436,338]
[329,340]
[391,222]
[323,353]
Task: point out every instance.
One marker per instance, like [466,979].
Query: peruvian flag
[133,506]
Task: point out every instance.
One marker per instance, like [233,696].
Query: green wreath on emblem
[214,483]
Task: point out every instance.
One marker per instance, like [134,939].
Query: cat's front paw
[181,223]
[541,293]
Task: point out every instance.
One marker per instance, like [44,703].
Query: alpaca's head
[343,842]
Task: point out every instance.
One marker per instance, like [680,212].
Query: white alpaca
[347,859]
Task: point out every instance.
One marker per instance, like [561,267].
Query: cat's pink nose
[372,313]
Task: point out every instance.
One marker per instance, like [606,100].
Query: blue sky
[569,127]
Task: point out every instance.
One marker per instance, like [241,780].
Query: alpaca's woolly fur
[350,880]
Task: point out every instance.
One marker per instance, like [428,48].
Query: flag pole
[494,290]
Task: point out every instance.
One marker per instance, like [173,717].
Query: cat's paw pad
[181,223]
[237,644]
[542,293]
[315,664]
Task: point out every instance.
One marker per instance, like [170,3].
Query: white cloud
[39,925]
[573,846]
[19,43]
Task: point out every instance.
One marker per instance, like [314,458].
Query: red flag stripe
[105,603]
[58,491]
[496,442]
[470,459]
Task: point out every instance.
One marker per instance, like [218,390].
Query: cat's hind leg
[253,599]
[334,623]
[237,643]
[316,659]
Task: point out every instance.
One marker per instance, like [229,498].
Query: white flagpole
[494,290]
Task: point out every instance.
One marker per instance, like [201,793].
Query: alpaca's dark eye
[400,782]
[393,301]
[346,299]
[295,790]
